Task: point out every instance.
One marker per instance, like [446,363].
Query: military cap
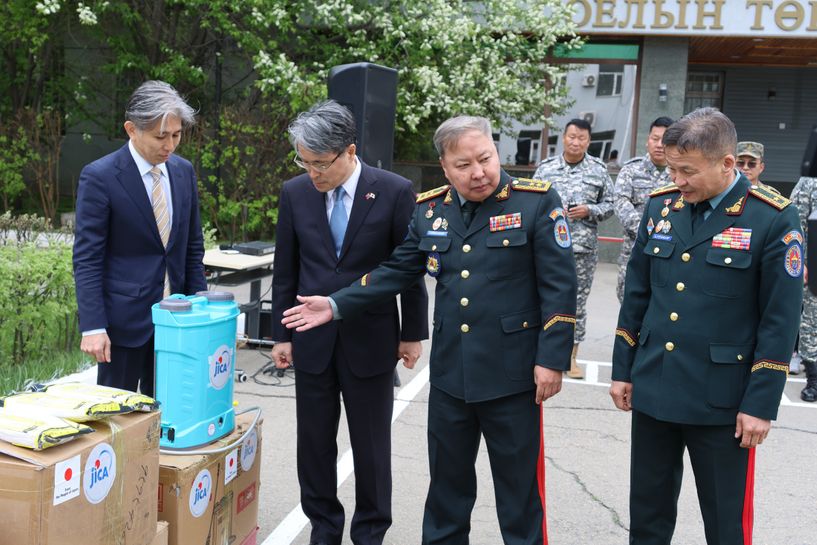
[753,149]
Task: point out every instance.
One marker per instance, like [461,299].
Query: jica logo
[221,366]
[100,473]
[248,449]
[200,493]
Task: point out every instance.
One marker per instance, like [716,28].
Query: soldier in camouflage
[804,196]
[587,195]
[638,178]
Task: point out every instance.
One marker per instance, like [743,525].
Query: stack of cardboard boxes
[213,499]
[100,489]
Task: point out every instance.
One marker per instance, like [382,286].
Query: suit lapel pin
[370,196]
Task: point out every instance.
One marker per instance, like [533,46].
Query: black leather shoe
[809,393]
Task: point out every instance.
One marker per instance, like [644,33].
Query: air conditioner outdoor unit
[588,80]
[590,117]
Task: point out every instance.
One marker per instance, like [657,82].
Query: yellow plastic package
[78,390]
[38,432]
[77,410]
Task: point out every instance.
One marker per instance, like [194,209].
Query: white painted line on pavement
[292,525]
[591,373]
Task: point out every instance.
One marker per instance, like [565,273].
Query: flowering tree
[262,61]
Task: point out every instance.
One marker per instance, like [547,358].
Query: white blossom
[48,7]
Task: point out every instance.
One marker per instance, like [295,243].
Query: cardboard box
[94,490]
[252,539]
[161,533]
[213,499]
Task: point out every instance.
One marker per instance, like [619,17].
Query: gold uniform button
[465,274]
[466,248]
[524,324]
[464,301]
[673,316]
[685,257]
[740,357]
[434,248]
[505,242]
[656,250]
[728,260]
[464,328]
[669,346]
[680,286]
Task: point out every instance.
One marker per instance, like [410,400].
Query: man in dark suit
[138,237]
[705,333]
[336,222]
[504,317]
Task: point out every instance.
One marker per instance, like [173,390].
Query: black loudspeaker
[522,151]
[370,91]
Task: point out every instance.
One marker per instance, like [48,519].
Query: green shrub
[37,304]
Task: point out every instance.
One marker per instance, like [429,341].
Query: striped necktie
[162,214]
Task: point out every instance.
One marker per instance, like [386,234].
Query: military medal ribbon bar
[508,221]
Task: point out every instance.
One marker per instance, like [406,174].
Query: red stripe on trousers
[540,473]
[749,499]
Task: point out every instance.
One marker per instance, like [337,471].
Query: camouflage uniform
[804,196]
[586,183]
[637,179]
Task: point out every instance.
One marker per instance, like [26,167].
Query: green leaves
[37,302]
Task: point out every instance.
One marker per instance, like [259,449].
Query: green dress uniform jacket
[506,287]
[709,319]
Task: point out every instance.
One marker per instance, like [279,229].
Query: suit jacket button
[680,286]
[466,248]
[465,273]
[464,328]
[669,346]
[337,270]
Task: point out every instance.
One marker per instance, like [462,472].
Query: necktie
[162,215]
[468,210]
[698,215]
[338,220]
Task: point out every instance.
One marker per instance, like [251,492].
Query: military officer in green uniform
[705,332]
[504,318]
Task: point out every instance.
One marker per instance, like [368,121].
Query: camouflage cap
[753,149]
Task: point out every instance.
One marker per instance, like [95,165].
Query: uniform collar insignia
[504,193]
[449,197]
[679,204]
[737,208]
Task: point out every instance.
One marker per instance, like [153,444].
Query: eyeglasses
[320,167]
[748,164]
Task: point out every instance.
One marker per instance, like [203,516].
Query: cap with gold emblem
[752,149]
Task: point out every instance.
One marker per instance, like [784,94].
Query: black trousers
[368,403]
[512,428]
[724,478]
[129,369]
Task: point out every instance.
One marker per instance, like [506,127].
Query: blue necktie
[338,220]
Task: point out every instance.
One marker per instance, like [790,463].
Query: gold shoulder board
[428,195]
[670,188]
[769,196]
[526,184]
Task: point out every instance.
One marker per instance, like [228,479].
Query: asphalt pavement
[586,447]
